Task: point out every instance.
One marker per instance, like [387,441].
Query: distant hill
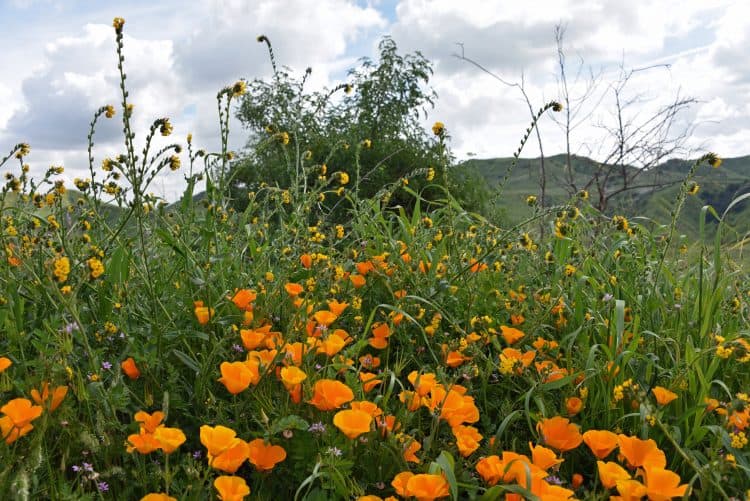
[718,187]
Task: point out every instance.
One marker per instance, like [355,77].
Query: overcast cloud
[59,65]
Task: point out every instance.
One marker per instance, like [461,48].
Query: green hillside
[718,187]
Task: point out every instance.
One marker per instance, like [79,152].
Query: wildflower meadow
[327,339]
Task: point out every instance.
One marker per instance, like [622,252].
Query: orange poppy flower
[306,260]
[369,381]
[329,394]
[456,408]
[358,281]
[21,411]
[543,457]
[292,378]
[490,468]
[411,399]
[336,307]
[293,289]
[630,490]
[243,299]
[467,439]
[57,396]
[149,422]
[511,334]
[573,405]
[331,345]
[641,452]
[130,369]
[663,395]
[427,487]
[143,442]
[169,438]
[9,432]
[517,319]
[217,439]
[202,313]
[576,480]
[369,362]
[231,459]
[559,433]
[381,330]
[237,376]
[5,362]
[231,488]
[264,457]
[601,442]
[610,473]
[455,358]
[422,383]
[352,423]
[410,451]
[324,317]
[368,407]
[158,496]
[400,481]
[663,485]
[253,338]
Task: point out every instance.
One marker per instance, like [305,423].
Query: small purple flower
[318,427]
[88,466]
[106,365]
[607,297]
[69,328]
[553,480]
[75,468]
[238,348]
[318,367]
[197,454]
[102,486]
[335,451]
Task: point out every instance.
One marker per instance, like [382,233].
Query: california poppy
[426,487]
[55,398]
[21,411]
[511,334]
[130,368]
[293,289]
[663,395]
[158,496]
[5,362]
[400,481]
[641,452]
[243,299]
[601,442]
[352,423]
[230,459]
[610,473]
[9,432]
[143,442]
[169,438]
[231,488]
[467,439]
[149,422]
[559,433]
[329,394]
[237,376]
[264,457]
[217,439]
[663,485]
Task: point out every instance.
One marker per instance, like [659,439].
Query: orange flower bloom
[358,281]
[57,396]
[306,260]
[293,289]
[149,422]
[543,457]
[243,299]
[324,317]
[232,458]
[400,481]
[611,473]
[336,307]
[426,487]
[238,376]
[630,490]
[330,346]
[143,442]
[202,313]
[559,433]
[511,334]
[467,439]
[231,488]
[352,423]
[5,362]
[9,432]
[158,496]
[573,405]
[130,369]
[169,438]
[663,485]
[411,399]
[21,412]
[517,319]
[369,362]
[455,358]
[329,394]
[663,395]
[456,408]
[423,383]
[368,407]
[601,442]
[369,381]
[217,439]
[410,451]
[292,378]
[264,457]
[641,452]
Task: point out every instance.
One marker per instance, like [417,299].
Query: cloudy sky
[58,66]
